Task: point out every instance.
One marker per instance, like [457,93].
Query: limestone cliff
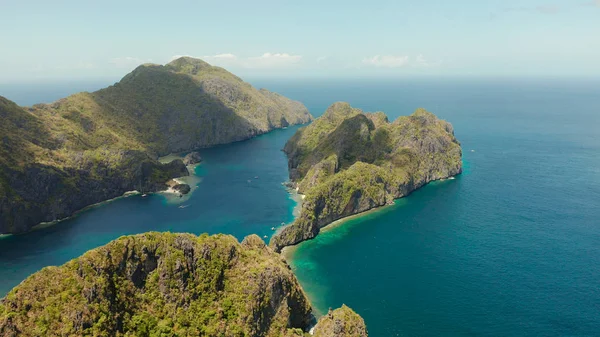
[347,162]
[58,158]
[164,284]
[161,284]
[342,322]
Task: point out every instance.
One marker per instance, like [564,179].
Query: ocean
[509,248]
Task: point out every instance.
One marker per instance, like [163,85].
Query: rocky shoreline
[348,162]
[139,284]
[312,233]
[58,158]
[175,187]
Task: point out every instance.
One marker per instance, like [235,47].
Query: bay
[511,247]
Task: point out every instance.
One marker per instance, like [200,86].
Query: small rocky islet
[91,147]
[192,158]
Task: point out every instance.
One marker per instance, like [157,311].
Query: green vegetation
[341,322]
[163,284]
[347,162]
[89,147]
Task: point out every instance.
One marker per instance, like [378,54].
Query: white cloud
[222,60]
[420,61]
[128,61]
[266,60]
[220,57]
[321,59]
[225,56]
[175,57]
[387,61]
[277,60]
[400,61]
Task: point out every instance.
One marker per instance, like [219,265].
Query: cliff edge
[347,162]
[164,284]
[58,158]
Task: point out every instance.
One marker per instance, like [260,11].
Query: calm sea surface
[509,248]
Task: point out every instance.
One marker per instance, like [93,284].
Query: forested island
[347,162]
[58,158]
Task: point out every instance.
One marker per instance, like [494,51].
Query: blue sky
[46,40]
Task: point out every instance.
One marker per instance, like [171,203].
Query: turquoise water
[509,248]
[240,193]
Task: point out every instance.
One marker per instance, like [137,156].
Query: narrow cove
[239,192]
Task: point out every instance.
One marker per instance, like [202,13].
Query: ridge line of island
[347,162]
[59,158]
[180,284]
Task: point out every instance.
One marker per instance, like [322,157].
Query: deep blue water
[510,248]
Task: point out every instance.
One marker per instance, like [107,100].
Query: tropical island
[58,158]
[347,162]
[163,284]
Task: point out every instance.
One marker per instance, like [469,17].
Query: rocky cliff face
[58,158]
[161,284]
[189,104]
[347,162]
[42,193]
[342,322]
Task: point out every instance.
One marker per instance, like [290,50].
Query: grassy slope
[104,143]
[347,162]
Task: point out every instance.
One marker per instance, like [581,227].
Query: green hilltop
[58,158]
[347,162]
[163,284]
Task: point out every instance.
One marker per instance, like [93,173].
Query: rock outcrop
[58,158]
[182,188]
[161,284]
[192,158]
[347,162]
[342,322]
[164,284]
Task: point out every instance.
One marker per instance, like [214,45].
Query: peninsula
[58,158]
[164,284]
[347,162]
